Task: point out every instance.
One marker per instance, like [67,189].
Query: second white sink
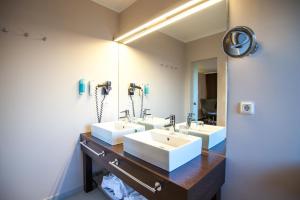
[113,132]
[152,122]
[160,148]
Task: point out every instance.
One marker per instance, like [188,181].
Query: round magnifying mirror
[239,42]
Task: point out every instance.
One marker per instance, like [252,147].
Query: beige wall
[263,159]
[201,91]
[42,114]
[206,48]
[201,86]
[157,60]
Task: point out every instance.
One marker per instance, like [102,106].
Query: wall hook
[4,30]
[25,34]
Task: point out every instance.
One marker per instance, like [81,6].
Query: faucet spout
[172,122]
[189,119]
[127,115]
[145,113]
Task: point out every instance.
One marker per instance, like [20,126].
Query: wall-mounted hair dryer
[106,87]
[132,87]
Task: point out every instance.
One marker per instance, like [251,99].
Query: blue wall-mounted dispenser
[146,89]
[82,86]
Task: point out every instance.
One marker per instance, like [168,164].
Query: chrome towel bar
[157,186]
[102,153]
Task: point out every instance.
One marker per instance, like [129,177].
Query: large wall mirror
[177,70]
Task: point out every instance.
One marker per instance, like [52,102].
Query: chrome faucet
[172,122]
[127,115]
[201,123]
[145,114]
[189,119]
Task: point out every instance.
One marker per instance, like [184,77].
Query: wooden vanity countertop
[186,176]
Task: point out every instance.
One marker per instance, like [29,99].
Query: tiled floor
[93,195]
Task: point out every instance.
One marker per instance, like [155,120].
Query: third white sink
[211,135]
[113,132]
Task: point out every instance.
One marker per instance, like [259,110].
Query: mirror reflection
[176,78]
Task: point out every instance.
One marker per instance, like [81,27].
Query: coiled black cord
[99,112]
[142,104]
[133,111]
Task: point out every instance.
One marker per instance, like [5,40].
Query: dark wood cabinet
[199,179]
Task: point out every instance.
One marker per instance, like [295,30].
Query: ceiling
[207,22]
[116,5]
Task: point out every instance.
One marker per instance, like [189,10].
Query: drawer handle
[157,185]
[102,153]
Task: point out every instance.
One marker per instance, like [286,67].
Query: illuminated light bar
[168,18]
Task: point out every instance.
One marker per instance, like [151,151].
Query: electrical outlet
[247,108]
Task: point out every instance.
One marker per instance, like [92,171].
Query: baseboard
[62,196]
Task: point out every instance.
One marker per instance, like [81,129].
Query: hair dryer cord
[132,103]
[99,112]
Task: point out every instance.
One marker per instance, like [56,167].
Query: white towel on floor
[135,196]
[120,189]
[116,185]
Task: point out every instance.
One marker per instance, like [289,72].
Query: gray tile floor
[93,195]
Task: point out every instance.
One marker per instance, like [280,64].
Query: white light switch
[247,108]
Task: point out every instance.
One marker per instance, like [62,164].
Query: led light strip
[168,18]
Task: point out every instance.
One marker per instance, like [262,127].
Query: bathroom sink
[211,135]
[152,122]
[163,148]
[113,132]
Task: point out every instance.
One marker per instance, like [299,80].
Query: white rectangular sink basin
[211,135]
[162,148]
[113,132]
[152,122]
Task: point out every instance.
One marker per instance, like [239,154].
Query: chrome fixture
[201,123]
[189,119]
[84,144]
[157,186]
[127,115]
[240,41]
[145,114]
[172,122]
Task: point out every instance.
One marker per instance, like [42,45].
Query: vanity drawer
[145,181]
[141,179]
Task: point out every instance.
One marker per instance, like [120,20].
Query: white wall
[42,114]
[157,60]
[263,151]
